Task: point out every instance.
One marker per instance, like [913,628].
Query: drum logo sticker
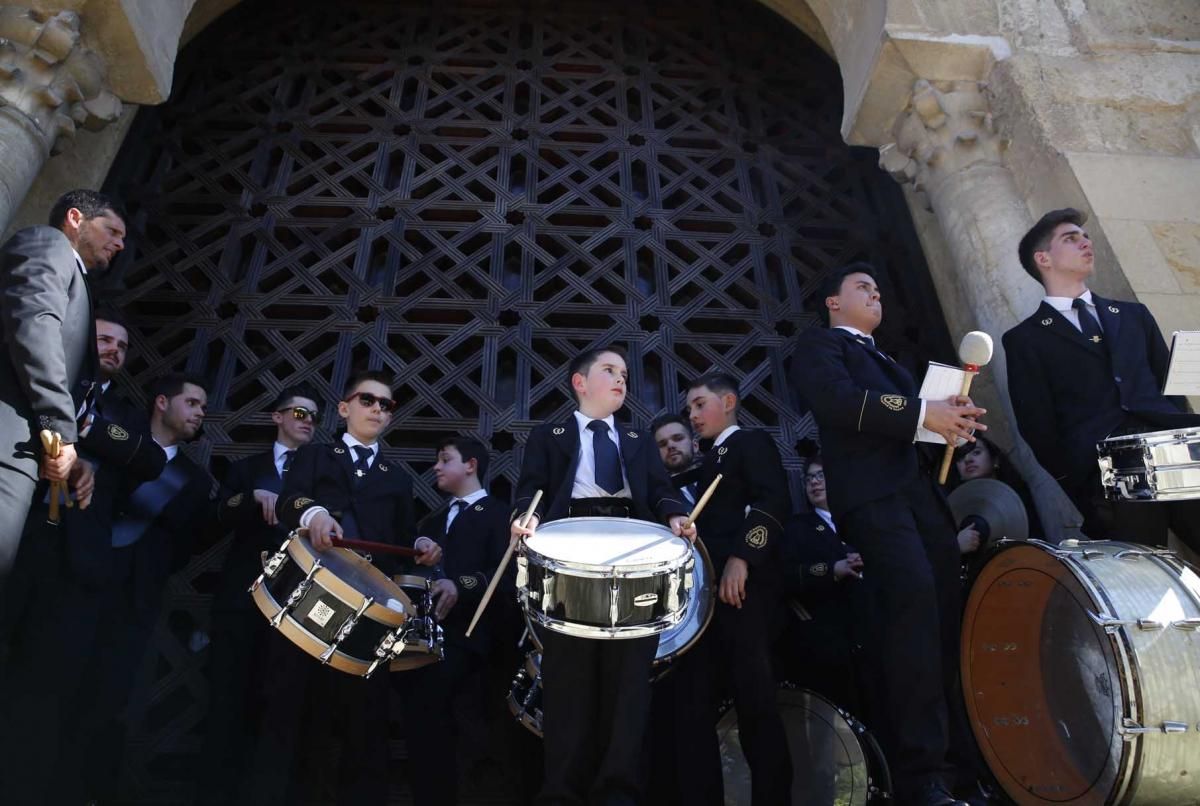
[301,503]
[468,582]
[757,537]
[645,599]
[234,500]
[117,433]
[894,402]
[321,613]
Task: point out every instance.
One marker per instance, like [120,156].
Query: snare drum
[1156,466]
[1081,671]
[334,605]
[422,634]
[606,578]
[835,759]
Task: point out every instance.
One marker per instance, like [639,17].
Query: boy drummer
[595,693]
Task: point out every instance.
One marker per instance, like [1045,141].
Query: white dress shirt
[585,475]
[349,442]
[467,500]
[279,450]
[826,516]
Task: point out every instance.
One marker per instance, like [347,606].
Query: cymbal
[996,503]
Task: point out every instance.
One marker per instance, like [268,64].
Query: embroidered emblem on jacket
[818,570]
[894,402]
[339,450]
[757,537]
[1114,309]
[468,582]
[118,433]
[558,432]
[1047,322]
[234,500]
[301,503]
[631,434]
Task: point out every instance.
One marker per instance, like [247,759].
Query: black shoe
[936,795]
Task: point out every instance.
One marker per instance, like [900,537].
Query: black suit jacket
[49,343]
[753,477]
[471,551]
[810,550]
[379,507]
[867,410]
[552,458]
[238,510]
[1068,394]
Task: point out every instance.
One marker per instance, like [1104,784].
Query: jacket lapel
[1110,319]
[1060,326]
[343,459]
[265,476]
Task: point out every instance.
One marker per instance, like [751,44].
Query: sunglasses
[367,400]
[300,413]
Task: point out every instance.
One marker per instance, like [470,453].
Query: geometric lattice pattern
[466,194]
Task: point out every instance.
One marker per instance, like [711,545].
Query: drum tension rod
[1130,728]
[345,629]
[296,595]
[1110,624]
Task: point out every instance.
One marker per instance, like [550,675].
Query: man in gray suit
[48,348]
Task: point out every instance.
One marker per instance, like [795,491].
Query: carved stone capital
[946,127]
[50,76]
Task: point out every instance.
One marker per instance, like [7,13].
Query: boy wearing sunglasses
[237,662]
[346,488]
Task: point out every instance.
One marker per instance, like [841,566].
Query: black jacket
[552,458]
[752,477]
[810,550]
[471,550]
[378,508]
[238,510]
[1068,394]
[867,410]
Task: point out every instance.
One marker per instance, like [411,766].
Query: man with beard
[46,348]
[678,449]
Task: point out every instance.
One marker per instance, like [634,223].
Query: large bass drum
[835,759]
[1081,671]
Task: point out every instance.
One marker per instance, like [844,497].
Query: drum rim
[610,633]
[1127,671]
[302,553]
[603,571]
[1147,437]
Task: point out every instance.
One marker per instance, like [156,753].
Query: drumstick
[948,456]
[62,485]
[373,547]
[52,448]
[696,510]
[491,588]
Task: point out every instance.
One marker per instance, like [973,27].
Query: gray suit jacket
[48,343]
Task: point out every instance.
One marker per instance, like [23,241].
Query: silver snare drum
[1155,466]
[605,578]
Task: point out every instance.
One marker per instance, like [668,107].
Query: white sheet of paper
[942,382]
[1183,373]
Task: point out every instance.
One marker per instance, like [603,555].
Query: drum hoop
[303,639]
[597,571]
[609,633]
[669,658]
[1127,671]
[301,552]
[1184,435]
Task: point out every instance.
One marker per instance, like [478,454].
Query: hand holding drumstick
[520,528]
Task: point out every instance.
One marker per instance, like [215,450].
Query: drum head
[354,577]
[1041,680]
[831,762]
[604,544]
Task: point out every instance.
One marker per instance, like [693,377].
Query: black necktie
[456,508]
[89,400]
[1087,322]
[288,456]
[608,463]
[361,464]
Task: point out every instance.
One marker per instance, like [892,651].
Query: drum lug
[1111,625]
[614,602]
[345,629]
[271,567]
[296,595]
[1130,728]
[1191,624]
[386,651]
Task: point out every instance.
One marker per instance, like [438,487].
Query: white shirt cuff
[309,514]
[920,423]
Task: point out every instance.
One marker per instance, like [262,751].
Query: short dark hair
[172,384]
[91,203]
[362,376]
[831,284]
[288,393]
[815,459]
[582,363]
[1039,235]
[468,448]
[107,313]
[667,419]
[719,382]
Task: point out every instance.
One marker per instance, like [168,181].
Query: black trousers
[595,700]
[734,657]
[682,770]
[911,574]
[354,707]
[428,696]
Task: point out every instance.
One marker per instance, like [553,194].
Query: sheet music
[941,383]
[1183,371]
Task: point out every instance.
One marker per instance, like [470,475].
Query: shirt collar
[169,450]
[724,435]
[1063,304]
[478,495]
[855,332]
[583,421]
[104,386]
[79,260]
[280,450]
[351,442]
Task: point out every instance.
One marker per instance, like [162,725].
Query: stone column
[946,146]
[49,84]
